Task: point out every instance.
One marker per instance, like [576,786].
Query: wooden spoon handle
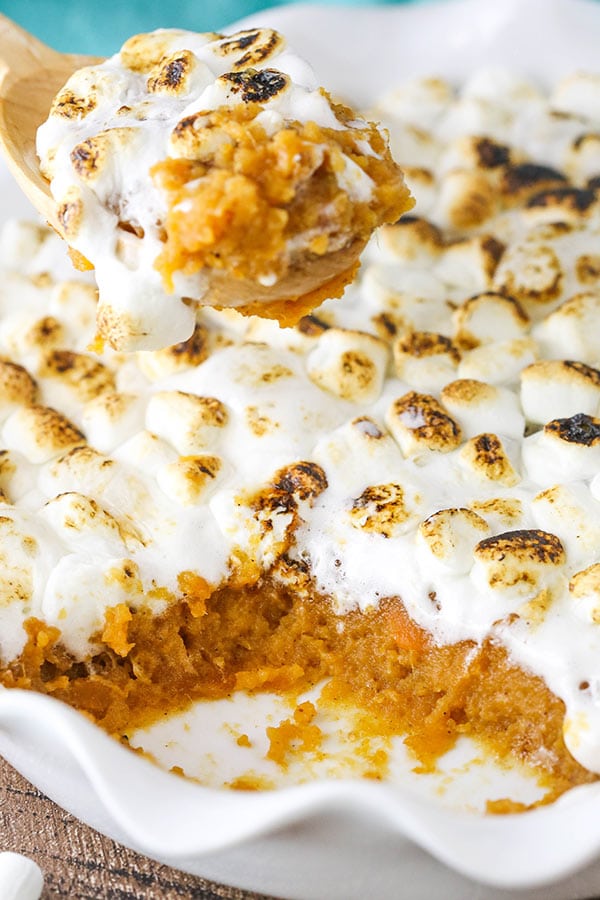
[20,52]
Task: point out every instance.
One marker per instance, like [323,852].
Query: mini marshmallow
[40,433]
[157,364]
[258,526]
[501,513]
[20,877]
[349,364]
[93,158]
[500,362]
[146,452]
[475,152]
[190,479]
[142,52]
[570,512]
[584,591]
[478,407]
[19,549]
[523,180]
[532,273]
[413,146]
[73,303]
[422,184]
[419,101]
[17,388]
[446,540]
[300,338]
[245,48]
[84,525]
[564,204]
[17,475]
[559,389]
[587,269]
[518,563]
[81,589]
[566,450]
[578,94]
[486,457]
[70,211]
[81,469]
[411,240]
[190,423]
[499,85]
[474,116]
[179,74]
[109,419]
[29,336]
[20,241]
[385,509]
[571,332]
[408,298]
[426,360]
[76,376]
[466,199]
[582,160]
[357,448]
[487,318]
[470,263]
[419,423]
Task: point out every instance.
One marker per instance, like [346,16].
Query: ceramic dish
[339,838]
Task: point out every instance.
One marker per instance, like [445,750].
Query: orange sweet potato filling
[264,637]
[240,195]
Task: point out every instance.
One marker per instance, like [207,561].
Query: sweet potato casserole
[398,498]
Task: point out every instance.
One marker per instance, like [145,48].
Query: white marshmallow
[20,877]
[559,389]
[478,407]
[447,539]
[570,512]
[349,364]
[500,362]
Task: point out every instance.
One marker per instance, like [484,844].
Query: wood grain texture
[79,863]
[30,75]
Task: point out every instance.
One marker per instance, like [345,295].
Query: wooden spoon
[31,74]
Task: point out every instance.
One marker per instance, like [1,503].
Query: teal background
[100,26]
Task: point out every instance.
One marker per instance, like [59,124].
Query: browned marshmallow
[478,406]
[426,360]
[584,589]
[383,509]
[486,457]
[40,433]
[447,539]
[350,364]
[419,422]
[520,563]
[190,423]
[552,388]
[190,479]
[17,388]
[157,364]
[487,318]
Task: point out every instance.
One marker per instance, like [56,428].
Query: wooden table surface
[79,863]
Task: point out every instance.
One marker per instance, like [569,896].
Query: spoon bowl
[31,74]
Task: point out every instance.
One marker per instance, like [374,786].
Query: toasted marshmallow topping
[435,437]
[158,100]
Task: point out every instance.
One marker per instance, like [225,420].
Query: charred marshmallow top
[435,437]
[113,122]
